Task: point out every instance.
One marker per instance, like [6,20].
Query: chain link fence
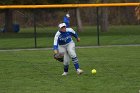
[123,27]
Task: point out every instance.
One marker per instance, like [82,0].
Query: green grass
[117,35]
[35,71]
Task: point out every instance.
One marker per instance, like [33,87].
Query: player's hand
[78,39]
[55,51]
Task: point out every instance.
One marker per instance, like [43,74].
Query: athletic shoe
[79,71]
[65,73]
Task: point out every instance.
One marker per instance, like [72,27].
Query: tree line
[104,12]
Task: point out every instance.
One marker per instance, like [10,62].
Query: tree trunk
[78,19]
[9,20]
[104,18]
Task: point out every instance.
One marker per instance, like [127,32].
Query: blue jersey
[66,21]
[63,38]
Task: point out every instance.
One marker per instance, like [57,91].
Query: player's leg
[72,54]
[66,61]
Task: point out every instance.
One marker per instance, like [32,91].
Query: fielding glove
[59,57]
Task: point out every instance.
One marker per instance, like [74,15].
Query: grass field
[35,71]
[117,35]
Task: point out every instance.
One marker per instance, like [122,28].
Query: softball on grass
[93,71]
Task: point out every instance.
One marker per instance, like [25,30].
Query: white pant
[69,52]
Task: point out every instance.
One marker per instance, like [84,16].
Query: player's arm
[74,34]
[55,44]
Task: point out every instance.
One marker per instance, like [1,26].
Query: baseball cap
[61,25]
[68,15]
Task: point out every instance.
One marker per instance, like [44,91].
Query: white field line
[76,47]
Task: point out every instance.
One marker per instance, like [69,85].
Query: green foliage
[26,2]
[68,1]
[23,2]
[114,1]
[5,2]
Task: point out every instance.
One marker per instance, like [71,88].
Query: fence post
[98,26]
[34,22]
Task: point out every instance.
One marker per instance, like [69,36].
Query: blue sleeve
[66,21]
[72,32]
[75,35]
[55,47]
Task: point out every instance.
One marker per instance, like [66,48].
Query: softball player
[63,43]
